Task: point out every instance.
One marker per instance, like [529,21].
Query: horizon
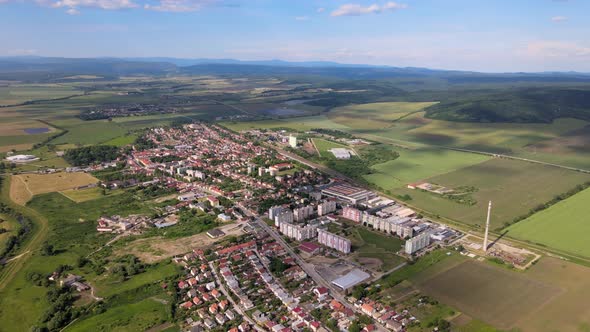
[489,36]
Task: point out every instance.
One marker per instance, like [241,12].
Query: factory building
[346,192]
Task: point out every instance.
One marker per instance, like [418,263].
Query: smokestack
[485,238]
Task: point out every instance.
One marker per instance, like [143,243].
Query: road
[236,306]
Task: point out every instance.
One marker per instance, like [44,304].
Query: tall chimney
[485,238]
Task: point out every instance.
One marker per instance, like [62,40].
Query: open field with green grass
[374,115]
[24,186]
[419,164]
[324,146]
[369,245]
[129,317]
[563,226]
[88,194]
[513,186]
[71,230]
[10,225]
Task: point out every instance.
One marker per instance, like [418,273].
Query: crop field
[374,115]
[25,186]
[513,186]
[296,124]
[487,292]
[564,226]
[14,94]
[419,164]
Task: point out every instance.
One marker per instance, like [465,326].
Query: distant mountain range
[31,67]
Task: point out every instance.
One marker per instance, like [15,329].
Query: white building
[298,232]
[340,153]
[302,213]
[274,211]
[21,158]
[334,241]
[292,141]
[416,243]
[286,216]
[326,207]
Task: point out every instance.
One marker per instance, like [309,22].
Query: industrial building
[334,241]
[340,153]
[351,279]
[349,193]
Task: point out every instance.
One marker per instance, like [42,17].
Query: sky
[480,35]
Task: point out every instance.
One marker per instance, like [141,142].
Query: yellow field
[82,195]
[23,187]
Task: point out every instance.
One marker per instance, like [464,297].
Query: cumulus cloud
[179,6]
[357,10]
[558,19]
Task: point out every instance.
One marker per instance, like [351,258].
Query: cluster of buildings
[133,223]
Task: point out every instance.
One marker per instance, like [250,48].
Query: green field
[369,244]
[324,146]
[129,317]
[88,194]
[296,124]
[18,93]
[563,226]
[420,164]
[514,187]
[374,115]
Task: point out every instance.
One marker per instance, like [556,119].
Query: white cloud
[73,6]
[557,49]
[356,9]
[179,6]
[302,18]
[319,10]
[558,18]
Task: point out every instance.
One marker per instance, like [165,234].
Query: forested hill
[532,105]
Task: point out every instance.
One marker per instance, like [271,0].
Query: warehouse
[351,279]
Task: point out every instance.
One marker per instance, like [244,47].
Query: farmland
[514,187]
[324,146]
[25,186]
[88,194]
[563,226]
[15,94]
[418,164]
[374,115]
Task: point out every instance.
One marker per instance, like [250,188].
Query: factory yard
[23,187]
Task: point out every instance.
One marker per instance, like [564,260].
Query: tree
[47,249]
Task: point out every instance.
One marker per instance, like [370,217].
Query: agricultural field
[549,296]
[374,115]
[514,187]
[295,124]
[563,226]
[23,187]
[418,164]
[19,93]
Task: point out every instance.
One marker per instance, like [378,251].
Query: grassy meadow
[563,226]
[374,115]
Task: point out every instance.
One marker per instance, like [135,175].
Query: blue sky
[483,35]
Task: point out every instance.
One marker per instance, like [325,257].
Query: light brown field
[17,128]
[17,147]
[23,187]
[155,249]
